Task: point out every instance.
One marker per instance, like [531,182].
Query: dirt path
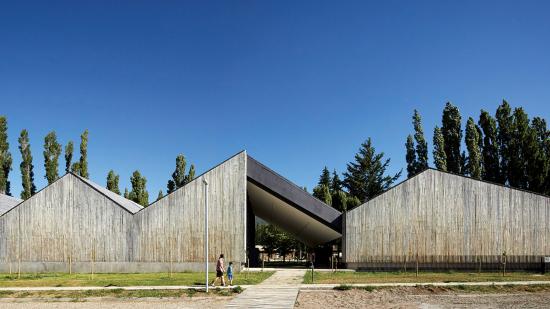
[409,298]
[195,302]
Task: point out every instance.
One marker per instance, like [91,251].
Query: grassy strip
[119,293]
[395,277]
[430,289]
[147,279]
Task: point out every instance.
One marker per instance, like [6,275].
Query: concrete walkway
[278,291]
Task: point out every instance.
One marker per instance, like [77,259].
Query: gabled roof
[7,202]
[125,203]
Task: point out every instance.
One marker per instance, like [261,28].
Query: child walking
[230,273]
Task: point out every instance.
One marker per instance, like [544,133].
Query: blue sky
[298,84]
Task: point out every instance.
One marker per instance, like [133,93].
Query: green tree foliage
[69,148]
[452,136]
[366,176]
[322,192]
[324,179]
[190,175]
[274,239]
[519,150]
[83,163]
[27,173]
[126,193]
[489,153]
[421,144]
[335,183]
[179,178]
[112,182]
[5,157]
[504,139]
[474,153]
[52,151]
[160,195]
[410,157]
[139,192]
[440,157]
[538,166]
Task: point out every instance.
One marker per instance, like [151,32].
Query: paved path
[401,284]
[278,291]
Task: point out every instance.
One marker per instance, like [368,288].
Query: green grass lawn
[389,277]
[148,279]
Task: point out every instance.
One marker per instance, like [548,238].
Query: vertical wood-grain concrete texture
[172,229]
[75,223]
[444,221]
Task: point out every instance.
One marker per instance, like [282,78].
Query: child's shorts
[230,276]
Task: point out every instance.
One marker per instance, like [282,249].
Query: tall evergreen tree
[5,157]
[410,157]
[489,153]
[474,152]
[52,151]
[538,170]
[160,195]
[336,183]
[139,192]
[452,135]
[83,163]
[126,193]
[190,175]
[518,154]
[421,144]
[27,173]
[322,192]
[178,176]
[366,176]
[504,139]
[324,179]
[440,158]
[69,148]
[112,182]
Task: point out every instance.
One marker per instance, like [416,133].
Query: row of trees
[275,240]
[52,152]
[509,148]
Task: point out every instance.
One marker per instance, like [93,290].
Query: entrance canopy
[282,203]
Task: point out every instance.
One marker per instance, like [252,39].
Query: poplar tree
[178,176]
[410,157]
[452,135]
[366,176]
[539,169]
[112,182]
[126,194]
[190,175]
[472,144]
[518,150]
[83,163]
[69,148]
[52,151]
[139,192]
[160,195]
[489,153]
[504,139]
[440,158]
[27,174]
[421,144]
[5,157]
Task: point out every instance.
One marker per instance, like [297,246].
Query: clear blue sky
[298,84]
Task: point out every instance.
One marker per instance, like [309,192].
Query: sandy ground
[184,302]
[409,298]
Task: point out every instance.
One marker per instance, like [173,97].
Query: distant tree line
[52,152]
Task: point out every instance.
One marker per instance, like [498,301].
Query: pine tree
[504,140]
[52,151]
[190,175]
[160,195]
[112,182]
[452,135]
[126,193]
[27,174]
[69,148]
[322,192]
[5,157]
[365,177]
[410,157]
[490,158]
[440,158]
[324,179]
[336,183]
[421,144]
[139,192]
[474,152]
[83,163]
[170,187]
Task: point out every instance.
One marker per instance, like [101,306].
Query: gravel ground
[411,298]
[195,302]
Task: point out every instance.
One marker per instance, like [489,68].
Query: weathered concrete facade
[447,221]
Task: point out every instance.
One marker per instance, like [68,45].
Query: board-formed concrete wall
[448,221]
[72,224]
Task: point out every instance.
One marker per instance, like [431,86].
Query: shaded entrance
[278,201]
